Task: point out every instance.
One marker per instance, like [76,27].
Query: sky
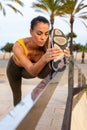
[14,26]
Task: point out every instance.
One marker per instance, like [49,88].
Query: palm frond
[13,8]
[83,17]
[83,13]
[10,3]
[39,7]
[0,6]
[19,2]
[4,12]
[80,6]
[67,22]
[84,24]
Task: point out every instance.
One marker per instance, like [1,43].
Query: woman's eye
[39,33]
[47,34]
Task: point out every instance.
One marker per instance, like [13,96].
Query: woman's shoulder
[26,40]
[22,42]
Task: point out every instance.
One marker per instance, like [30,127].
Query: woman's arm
[33,68]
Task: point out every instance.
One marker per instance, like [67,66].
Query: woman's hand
[52,53]
[67,52]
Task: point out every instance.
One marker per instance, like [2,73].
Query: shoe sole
[60,40]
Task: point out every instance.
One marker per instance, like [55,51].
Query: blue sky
[15,26]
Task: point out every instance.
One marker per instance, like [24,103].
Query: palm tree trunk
[52,21]
[83,56]
[76,55]
[71,35]
[4,55]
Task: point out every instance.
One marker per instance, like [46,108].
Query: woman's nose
[43,37]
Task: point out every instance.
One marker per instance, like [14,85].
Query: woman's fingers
[53,53]
[67,52]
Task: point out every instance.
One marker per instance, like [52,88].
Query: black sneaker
[58,39]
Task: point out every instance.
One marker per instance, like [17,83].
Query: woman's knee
[26,74]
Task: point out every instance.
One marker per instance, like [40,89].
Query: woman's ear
[31,31]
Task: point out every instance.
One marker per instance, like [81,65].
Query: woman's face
[40,33]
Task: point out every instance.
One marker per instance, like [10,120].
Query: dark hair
[38,19]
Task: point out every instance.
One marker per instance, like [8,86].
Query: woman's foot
[59,39]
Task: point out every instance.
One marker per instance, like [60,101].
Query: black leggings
[15,74]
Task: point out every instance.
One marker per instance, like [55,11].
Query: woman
[31,56]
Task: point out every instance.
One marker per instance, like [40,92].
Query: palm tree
[83,49]
[10,3]
[69,35]
[52,7]
[74,9]
[7,48]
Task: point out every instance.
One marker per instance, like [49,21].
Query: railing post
[67,116]
[83,80]
[79,78]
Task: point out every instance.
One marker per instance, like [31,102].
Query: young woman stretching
[31,56]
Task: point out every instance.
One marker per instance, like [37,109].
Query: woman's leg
[45,71]
[14,78]
[26,74]
[45,74]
